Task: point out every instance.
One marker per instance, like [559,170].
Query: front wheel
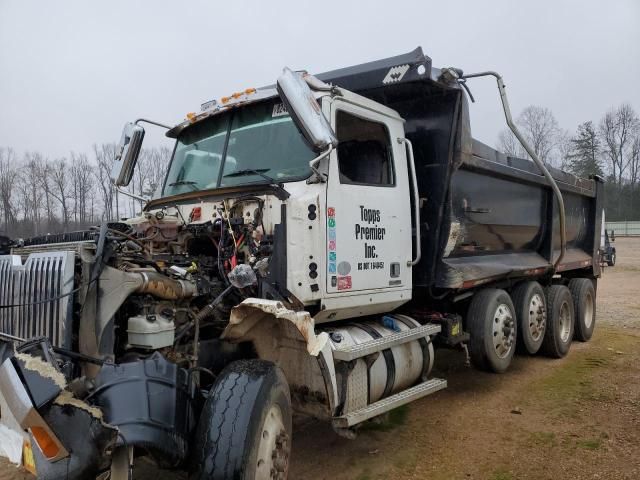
[491,321]
[244,432]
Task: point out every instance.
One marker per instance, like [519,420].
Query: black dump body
[485,217]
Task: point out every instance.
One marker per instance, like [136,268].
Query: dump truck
[314,243]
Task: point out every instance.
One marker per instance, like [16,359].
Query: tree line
[609,147]
[40,195]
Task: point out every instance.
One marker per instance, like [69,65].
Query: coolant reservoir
[150,331]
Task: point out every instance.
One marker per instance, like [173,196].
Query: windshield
[246,145]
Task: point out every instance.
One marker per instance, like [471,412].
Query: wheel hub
[503,330]
[565,322]
[588,311]
[537,317]
[273,449]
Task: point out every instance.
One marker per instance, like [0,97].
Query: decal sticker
[344,268]
[279,110]
[395,74]
[344,283]
[332,256]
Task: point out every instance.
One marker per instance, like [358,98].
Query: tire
[584,305]
[531,312]
[612,259]
[491,316]
[245,426]
[560,322]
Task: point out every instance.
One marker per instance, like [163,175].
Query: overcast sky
[72,72]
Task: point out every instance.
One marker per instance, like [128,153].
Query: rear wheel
[612,259]
[584,304]
[491,323]
[560,322]
[244,431]
[531,312]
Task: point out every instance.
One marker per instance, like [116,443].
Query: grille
[43,276]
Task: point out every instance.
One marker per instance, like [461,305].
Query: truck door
[368,204]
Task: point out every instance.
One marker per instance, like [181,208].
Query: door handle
[416,199]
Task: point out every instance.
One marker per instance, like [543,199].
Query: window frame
[393,183]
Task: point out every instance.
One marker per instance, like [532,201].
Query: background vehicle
[608,250]
[312,242]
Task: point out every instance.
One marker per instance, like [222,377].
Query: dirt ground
[575,418]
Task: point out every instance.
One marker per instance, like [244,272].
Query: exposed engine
[194,270]
[138,308]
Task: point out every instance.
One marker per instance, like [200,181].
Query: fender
[288,339]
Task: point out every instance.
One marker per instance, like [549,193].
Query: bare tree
[8,177]
[153,167]
[60,178]
[541,131]
[83,183]
[33,197]
[564,146]
[634,161]
[540,128]
[617,129]
[105,155]
[510,145]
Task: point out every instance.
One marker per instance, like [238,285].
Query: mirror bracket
[318,176]
[151,122]
[132,195]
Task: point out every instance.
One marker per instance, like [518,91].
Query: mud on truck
[312,243]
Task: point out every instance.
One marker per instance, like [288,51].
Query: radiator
[36,297]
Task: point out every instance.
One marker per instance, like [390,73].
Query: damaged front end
[57,429]
[43,426]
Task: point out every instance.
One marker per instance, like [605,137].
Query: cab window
[364,151]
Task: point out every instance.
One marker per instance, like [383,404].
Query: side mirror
[613,236]
[305,111]
[127,154]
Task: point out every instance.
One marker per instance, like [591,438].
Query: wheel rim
[588,311]
[273,449]
[503,330]
[565,322]
[537,317]
[613,258]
